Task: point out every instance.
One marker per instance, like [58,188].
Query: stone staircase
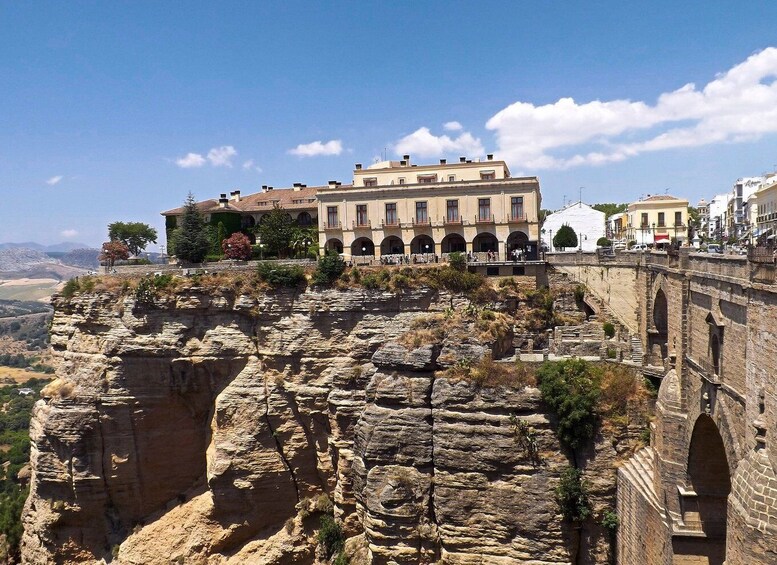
[636,350]
[639,470]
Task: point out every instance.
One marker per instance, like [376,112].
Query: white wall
[587,223]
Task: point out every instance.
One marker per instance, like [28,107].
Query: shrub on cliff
[330,536]
[571,389]
[277,276]
[572,495]
[329,269]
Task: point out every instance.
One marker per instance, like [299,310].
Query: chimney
[490,156]
[358,166]
[297,186]
[443,161]
[403,163]
[223,201]
[406,158]
[235,195]
[462,159]
[264,187]
[332,184]
[269,188]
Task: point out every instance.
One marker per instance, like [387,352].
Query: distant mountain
[63,247]
[22,259]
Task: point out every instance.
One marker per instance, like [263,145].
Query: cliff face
[206,428]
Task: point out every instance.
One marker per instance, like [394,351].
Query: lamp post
[551,241]
[654,234]
[364,252]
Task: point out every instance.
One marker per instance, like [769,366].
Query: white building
[718,219]
[587,223]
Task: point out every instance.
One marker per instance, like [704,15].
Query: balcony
[390,223]
[329,226]
[485,219]
[421,222]
[520,219]
[457,221]
[361,224]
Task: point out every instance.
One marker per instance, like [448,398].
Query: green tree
[610,208]
[135,235]
[565,237]
[603,242]
[277,231]
[217,236]
[544,214]
[694,222]
[190,238]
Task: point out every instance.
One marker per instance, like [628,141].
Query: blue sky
[115,110]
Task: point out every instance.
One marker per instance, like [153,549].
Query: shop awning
[659,237]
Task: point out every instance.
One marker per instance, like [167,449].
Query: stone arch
[247,222]
[453,242]
[517,240]
[704,505]
[334,244]
[304,219]
[392,245]
[422,244]
[485,241]
[658,336]
[362,246]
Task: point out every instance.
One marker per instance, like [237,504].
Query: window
[451,178]
[661,220]
[331,216]
[391,214]
[401,180]
[487,175]
[421,216]
[425,179]
[452,211]
[371,182]
[678,218]
[484,209]
[516,207]
[644,221]
[361,215]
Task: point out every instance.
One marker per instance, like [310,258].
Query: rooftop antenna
[580,194]
[666,191]
[564,201]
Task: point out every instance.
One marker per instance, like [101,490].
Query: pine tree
[190,239]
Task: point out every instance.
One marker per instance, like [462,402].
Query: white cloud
[54,180]
[68,233]
[424,144]
[190,161]
[222,156]
[251,164]
[333,147]
[453,126]
[738,105]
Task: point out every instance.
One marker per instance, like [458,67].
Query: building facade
[242,213]
[766,206]
[658,219]
[589,225]
[396,208]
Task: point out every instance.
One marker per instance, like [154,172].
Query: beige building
[766,206]
[658,219]
[395,208]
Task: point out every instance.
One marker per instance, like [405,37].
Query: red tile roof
[303,198]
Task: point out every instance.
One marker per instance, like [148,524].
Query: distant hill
[23,259]
[86,258]
[63,247]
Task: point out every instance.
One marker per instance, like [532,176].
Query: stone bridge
[705,490]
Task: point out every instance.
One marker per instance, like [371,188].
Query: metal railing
[485,219]
[332,226]
[390,223]
[366,224]
[421,222]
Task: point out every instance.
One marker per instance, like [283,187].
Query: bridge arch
[705,504]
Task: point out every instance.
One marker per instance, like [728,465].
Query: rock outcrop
[212,428]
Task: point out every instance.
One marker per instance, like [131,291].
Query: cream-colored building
[658,219]
[766,205]
[396,208]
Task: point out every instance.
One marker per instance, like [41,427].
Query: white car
[640,247]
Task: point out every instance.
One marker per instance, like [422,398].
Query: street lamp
[654,234]
[551,241]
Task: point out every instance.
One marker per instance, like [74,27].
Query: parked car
[619,246]
[640,247]
[714,248]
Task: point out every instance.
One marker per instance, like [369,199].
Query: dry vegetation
[488,373]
